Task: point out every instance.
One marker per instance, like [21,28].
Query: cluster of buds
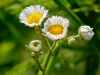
[84,32]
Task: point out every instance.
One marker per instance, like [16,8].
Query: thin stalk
[38,63]
[46,60]
[76,36]
[51,63]
[43,38]
[57,44]
[48,57]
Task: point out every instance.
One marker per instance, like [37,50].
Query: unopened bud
[85,32]
[35,46]
[71,40]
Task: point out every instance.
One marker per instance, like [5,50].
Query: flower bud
[71,40]
[35,46]
[85,32]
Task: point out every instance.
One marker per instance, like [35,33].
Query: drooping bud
[85,32]
[35,46]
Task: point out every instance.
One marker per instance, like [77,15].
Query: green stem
[43,38]
[48,57]
[51,63]
[48,63]
[76,36]
[57,44]
[38,63]
[46,60]
[49,60]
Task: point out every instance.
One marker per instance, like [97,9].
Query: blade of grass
[72,16]
[11,28]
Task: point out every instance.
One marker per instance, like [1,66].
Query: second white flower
[56,27]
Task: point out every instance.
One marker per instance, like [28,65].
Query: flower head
[33,15]
[85,32]
[56,27]
[35,46]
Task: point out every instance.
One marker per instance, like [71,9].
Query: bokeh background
[82,58]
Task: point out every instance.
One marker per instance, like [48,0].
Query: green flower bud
[85,32]
[71,40]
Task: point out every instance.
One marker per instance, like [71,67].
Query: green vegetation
[82,58]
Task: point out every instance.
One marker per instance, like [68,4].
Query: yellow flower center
[34,18]
[56,29]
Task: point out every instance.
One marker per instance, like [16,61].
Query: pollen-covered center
[35,44]
[56,29]
[34,18]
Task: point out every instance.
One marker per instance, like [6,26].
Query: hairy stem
[43,38]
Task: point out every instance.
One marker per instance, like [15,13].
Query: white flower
[56,27]
[85,32]
[33,15]
[35,46]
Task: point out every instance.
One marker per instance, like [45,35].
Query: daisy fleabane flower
[33,15]
[56,27]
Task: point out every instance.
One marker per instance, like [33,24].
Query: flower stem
[51,63]
[58,44]
[76,36]
[38,63]
[43,38]
[46,60]
[48,56]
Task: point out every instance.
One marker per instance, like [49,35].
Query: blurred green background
[79,59]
